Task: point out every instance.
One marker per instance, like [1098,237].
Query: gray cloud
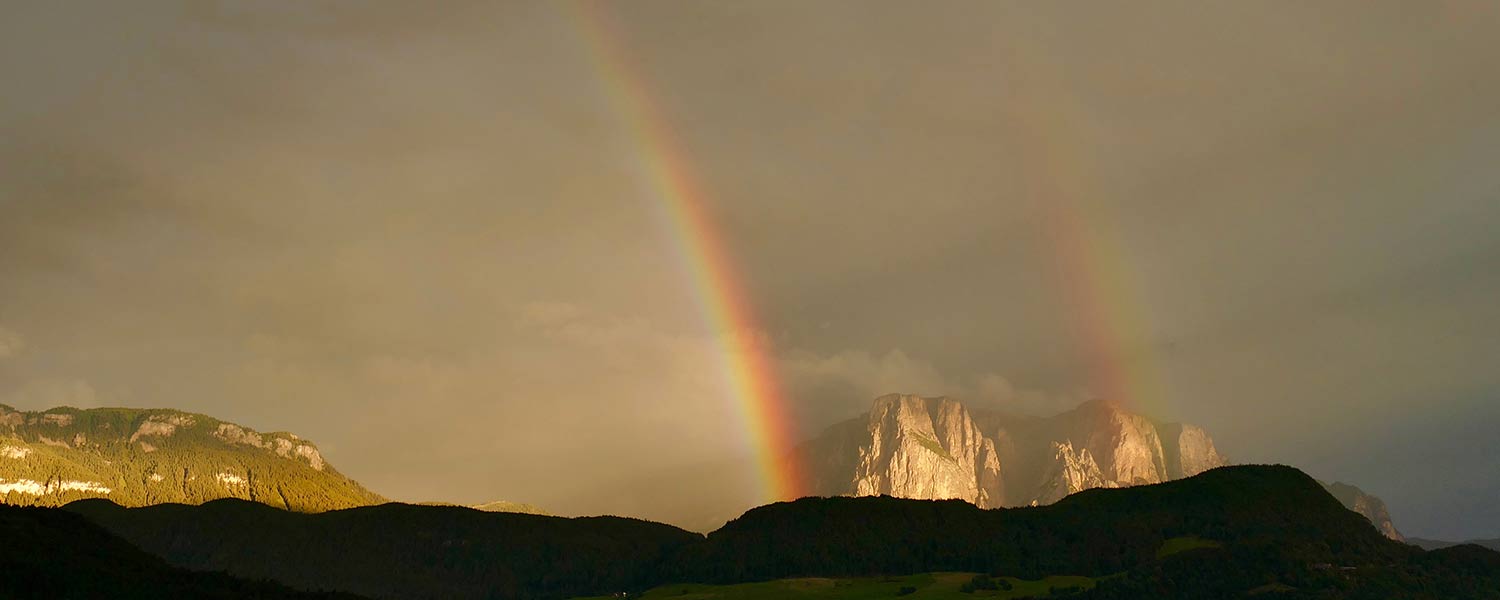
[11,343]
[53,392]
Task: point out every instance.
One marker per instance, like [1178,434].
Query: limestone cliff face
[1196,453]
[1070,471]
[927,448]
[916,447]
[1127,447]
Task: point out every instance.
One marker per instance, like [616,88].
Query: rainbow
[668,176]
[1107,319]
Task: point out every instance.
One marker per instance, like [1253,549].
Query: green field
[929,586]
[1183,544]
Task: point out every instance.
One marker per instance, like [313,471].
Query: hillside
[140,457]
[1093,533]
[1224,533]
[1426,544]
[937,448]
[1220,533]
[55,554]
[404,551]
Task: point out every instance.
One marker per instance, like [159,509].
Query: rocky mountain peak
[926,448]
[1371,507]
[915,447]
[1070,471]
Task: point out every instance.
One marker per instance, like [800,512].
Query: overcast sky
[419,238]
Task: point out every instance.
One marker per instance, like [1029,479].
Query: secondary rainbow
[1096,278]
[668,175]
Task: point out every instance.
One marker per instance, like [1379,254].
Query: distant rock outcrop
[139,457]
[1371,507]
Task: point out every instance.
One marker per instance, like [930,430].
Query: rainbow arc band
[668,175]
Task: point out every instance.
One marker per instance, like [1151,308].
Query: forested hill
[49,553]
[402,550]
[139,457]
[1223,533]
[1095,532]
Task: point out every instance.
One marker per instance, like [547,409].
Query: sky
[418,234]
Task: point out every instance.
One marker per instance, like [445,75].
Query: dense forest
[402,550]
[1229,531]
[54,554]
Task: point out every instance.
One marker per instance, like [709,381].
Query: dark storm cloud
[417,235]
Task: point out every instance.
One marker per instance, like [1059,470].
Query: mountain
[1426,544]
[1223,533]
[401,550]
[1095,532]
[139,457]
[1228,532]
[50,553]
[936,448]
[1371,507]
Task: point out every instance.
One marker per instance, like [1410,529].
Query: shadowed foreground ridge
[1095,532]
[1270,529]
[402,550]
[49,553]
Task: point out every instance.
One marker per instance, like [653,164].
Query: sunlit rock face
[1196,453]
[1070,471]
[1371,507]
[927,448]
[931,448]
[138,457]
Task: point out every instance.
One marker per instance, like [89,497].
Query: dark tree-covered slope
[402,550]
[57,555]
[1095,532]
[1225,533]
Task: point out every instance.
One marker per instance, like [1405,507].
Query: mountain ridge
[918,447]
[936,447]
[150,456]
[53,553]
[1428,544]
[1257,526]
